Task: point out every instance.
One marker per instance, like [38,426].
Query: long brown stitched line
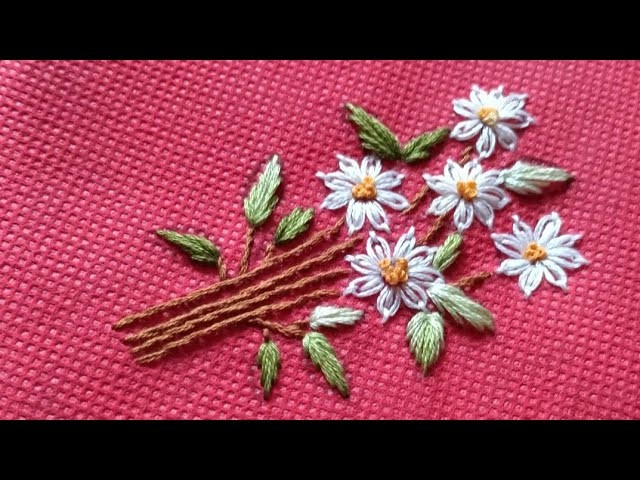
[167,348]
[290,330]
[466,155]
[191,324]
[313,241]
[246,255]
[269,251]
[472,280]
[247,292]
[433,231]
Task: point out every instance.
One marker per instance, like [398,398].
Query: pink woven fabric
[97,155]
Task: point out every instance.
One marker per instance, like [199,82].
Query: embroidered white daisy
[493,116]
[363,189]
[538,253]
[472,192]
[399,277]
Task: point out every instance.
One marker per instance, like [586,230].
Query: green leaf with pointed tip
[294,224]
[375,135]
[322,355]
[425,332]
[448,252]
[262,198]
[452,300]
[420,146]
[269,363]
[198,248]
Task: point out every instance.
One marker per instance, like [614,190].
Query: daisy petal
[566,257]
[405,244]
[392,200]
[547,228]
[442,205]
[355,216]
[511,104]
[466,129]
[516,119]
[506,137]
[530,279]
[494,196]
[364,264]
[376,216]
[465,108]
[350,167]
[522,231]
[463,216]
[388,180]
[453,172]
[484,212]
[337,180]
[510,245]
[371,166]
[377,248]
[486,143]
[388,303]
[554,274]
[563,241]
[440,184]
[336,200]
[364,286]
[413,296]
[513,266]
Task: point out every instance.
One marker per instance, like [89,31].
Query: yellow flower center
[467,190]
[534,252]
[365,190]
[488,115]
[394,273]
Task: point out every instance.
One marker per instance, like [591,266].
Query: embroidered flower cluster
[408,271]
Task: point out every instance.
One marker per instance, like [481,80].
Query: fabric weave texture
[95,156]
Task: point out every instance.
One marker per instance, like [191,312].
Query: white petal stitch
[471,192]
[403,277]
[493,116]
[539,253]
[363,189]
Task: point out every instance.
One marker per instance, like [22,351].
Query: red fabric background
[96,155]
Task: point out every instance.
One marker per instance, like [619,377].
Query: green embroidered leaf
[322,355]
[425,332]
[294,224]
[199,248]
[262,198]
[418,148]
[528,179]
[448,252]
[269,363]
[452,300]
[375,136]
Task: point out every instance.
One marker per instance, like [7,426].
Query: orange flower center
[365,190]
[534,252]
[488,115]
[468,190]
[394,273]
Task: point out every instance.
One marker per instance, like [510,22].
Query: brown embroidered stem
[278,307]
[466,155]
[246,255]
[416,200]
[222,269]
[433,231]
[291,330]
[269,251]
[472,280]
[238,307]
[310,243]
[325,257]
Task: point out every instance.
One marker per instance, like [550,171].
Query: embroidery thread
[411,275]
